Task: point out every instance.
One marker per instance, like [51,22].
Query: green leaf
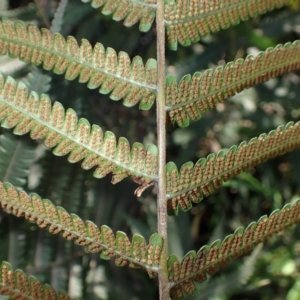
[197,94]
[191,184]
[115,74]
[62,130]
[187,21]
[97,240]
[18,285]
[130,10]
[194,268]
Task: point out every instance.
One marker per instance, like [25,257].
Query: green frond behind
[42,212]
[130,10]
[18,286]
[189,20]
[114,73]
[30,113]
[27,12]
[16,156]
[202,179]
[194,266]
[232,282]
[57,21]
[203,91]
[37,81]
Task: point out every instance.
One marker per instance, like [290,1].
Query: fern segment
[194,266]
[18,286]
[202,179]
[113,73]
[16,156]
[203,91]
[189,20]
[63,130]
[130,10]
[42,212]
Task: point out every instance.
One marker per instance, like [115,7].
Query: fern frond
[203,91]
[30,113]
[42,212]
[116,74]
[36,81]
[18,286]
[58,16]
[130,10]
[16,156]
[189,20]
[194,266]
[27,12]
[233,282]
[193,182]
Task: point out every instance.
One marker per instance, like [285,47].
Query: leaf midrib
[237,82]
[76,60]
[142,3]
[205,15]
[227,171]
[72,139]
[253,242]
[64,229]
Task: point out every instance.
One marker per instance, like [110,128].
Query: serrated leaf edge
[70,135]
[219,254]
[216,169]
[97,240]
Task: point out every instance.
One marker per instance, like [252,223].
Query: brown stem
[161,141]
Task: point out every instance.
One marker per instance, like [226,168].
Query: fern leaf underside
[202,179]
[130,10]
[42,212]
[194,266]
[203,91]
[30,113]
[18,286]
[188,21]
[114,74]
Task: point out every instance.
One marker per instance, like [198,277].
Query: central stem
[161,142]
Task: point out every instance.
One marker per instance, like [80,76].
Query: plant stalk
[161,142]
